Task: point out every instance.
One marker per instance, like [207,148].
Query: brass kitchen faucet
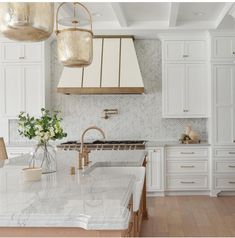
[83,159]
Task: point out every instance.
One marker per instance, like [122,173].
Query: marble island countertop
[62,200]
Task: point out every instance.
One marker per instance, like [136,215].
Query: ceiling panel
[145,11]
[199,11]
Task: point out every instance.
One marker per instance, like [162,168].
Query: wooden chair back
[3,151]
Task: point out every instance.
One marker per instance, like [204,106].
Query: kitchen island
[88,203]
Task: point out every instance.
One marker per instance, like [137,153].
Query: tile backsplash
[140,116]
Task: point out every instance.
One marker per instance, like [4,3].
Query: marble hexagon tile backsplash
[140,116]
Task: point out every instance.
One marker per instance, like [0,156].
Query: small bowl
[32,174]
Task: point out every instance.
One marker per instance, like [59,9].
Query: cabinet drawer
[224,166]
[187,152]
[186,182]
[225,182]
[186,166]
[225,152]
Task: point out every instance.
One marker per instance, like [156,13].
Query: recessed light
[96,14]
[198,13]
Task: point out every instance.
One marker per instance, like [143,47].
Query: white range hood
[114,70]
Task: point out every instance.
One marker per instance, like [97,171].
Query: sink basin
[137,172]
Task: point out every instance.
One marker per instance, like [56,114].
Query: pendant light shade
[26,21]
[75,44]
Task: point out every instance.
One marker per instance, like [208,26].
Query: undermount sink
[138,172]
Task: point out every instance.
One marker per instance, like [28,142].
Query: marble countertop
[64,200]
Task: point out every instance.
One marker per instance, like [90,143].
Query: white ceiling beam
[119,14]
[225,10]
[174,10]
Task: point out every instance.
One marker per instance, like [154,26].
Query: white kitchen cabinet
[185,90]
[17,52]
[22,89]
[224,104]
[184,50]
[155,170]
[187,168]
[223,47]
[24,80]
[223,175]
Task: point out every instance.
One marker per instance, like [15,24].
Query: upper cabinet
[223,47]
[184,90]
[21,52]
[185,79]
[181,50]
[24,78]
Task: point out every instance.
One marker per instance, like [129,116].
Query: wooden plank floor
[190,216]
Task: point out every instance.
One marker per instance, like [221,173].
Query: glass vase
[44,156]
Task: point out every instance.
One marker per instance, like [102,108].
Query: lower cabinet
[155,170]
[187,168]
[223,166]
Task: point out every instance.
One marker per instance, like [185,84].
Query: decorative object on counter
[190,136]
[75,43]
[46,128]
[3,152]
[32,174]
[27,21]
[108,112]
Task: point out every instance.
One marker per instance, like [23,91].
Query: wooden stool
[3,151]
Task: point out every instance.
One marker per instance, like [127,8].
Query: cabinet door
[33,52]
[223,47]
[224,89]
[12,52]
[174,50]
[12,83]
[196,90]
[33,89]
[195,50]
[174,90]
[154,173]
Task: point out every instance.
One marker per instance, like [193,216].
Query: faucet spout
[84,152]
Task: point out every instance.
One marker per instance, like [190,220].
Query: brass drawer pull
[187,166]
[231,153]
[183,182]
[231,166]
[231,182]
[187,153]
[185,56]
[21,57]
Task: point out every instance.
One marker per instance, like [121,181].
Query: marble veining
[62,200]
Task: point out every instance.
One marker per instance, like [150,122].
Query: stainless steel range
[105,145]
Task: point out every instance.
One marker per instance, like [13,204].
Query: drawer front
[186,167]
[225,183]
[224,166]
[187,152]
[186,182]
[229,153]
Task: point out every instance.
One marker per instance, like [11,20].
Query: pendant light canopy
[75,44]
[26,21]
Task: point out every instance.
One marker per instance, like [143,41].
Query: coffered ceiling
[141,18]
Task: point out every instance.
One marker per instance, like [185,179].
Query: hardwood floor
[190,216]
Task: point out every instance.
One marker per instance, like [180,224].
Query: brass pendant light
[75,44]
[26,21]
